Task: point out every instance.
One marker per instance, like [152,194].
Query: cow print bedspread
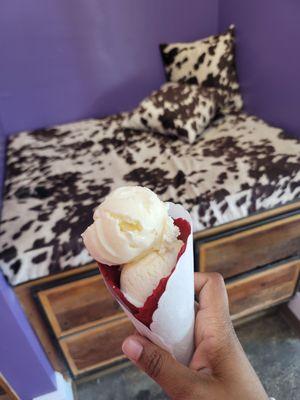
[56,177]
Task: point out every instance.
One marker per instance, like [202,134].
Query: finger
[214,332]
[211,291]
[200,278]
[175,379]
[200,361]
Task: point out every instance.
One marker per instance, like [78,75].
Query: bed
[55,177]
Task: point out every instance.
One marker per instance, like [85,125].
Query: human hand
[219,369]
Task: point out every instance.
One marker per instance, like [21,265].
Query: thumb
[175,379]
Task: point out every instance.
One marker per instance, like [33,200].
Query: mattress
[56,177]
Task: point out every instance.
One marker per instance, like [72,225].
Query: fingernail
[132,348]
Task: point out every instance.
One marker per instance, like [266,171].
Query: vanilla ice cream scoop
[139,278]
[131,222]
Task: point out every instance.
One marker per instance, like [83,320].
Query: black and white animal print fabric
[208,62]
[56,177]
[179,109]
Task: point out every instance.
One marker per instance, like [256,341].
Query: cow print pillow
[209,62]
[176,109]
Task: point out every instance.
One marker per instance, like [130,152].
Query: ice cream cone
[167,317]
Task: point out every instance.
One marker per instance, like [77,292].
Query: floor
[273,348]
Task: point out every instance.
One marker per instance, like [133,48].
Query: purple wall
[63,60]
[22,361]
[268,33]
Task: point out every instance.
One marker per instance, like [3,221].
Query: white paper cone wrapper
[173,321]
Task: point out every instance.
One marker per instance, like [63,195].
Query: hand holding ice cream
[219,368]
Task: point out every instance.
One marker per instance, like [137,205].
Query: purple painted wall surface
[64,60]
[268,37]
[22,360]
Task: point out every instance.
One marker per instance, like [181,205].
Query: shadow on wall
[129,92]
[268,57]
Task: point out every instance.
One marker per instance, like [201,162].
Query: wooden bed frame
[74,316]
